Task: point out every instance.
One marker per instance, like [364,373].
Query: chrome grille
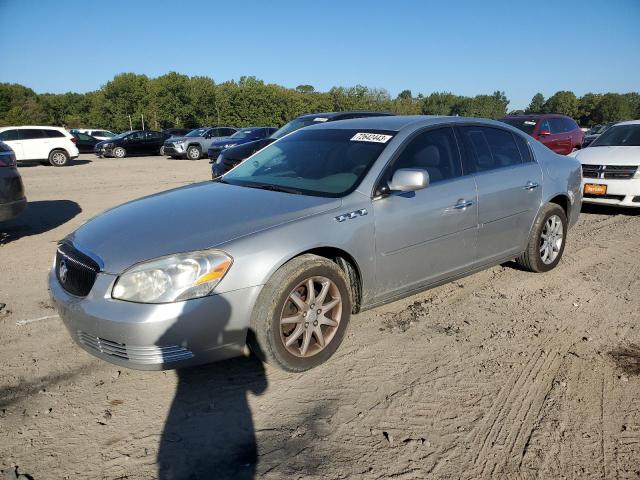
[612,172]
[75,271]
[135,353]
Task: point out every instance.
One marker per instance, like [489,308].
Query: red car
[558,132]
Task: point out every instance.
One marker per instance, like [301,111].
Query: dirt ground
[504,374]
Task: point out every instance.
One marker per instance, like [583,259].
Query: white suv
[96,133]
[52,144]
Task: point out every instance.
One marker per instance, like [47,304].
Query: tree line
[175,100]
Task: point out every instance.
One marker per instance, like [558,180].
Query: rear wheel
[547,240]
[58,158]
[162,151]
[193,152]
[301,315]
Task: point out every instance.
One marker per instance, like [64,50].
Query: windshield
[619,135]
[297,124]
[329,163]
[120,135]
[198,132]
[525,124]
[598,129]
[244,133]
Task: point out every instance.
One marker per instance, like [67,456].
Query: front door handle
[462,204]
[530,186]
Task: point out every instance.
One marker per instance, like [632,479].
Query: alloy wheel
[551,239]
[58,158]
[310,317]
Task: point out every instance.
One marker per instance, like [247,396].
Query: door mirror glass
[409,180]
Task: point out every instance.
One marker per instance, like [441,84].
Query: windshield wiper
[273,188]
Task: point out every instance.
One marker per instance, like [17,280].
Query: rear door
[561,134]
[509,188]
[429,234]
[135,143]
[153,142]
[35,143]
[12,138]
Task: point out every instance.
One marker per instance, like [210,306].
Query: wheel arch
[563,201]
[59,149]
[345,261]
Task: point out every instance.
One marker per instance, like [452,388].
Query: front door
[427,235]
[509,185]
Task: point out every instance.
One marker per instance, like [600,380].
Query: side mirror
[544,133]
[409,180]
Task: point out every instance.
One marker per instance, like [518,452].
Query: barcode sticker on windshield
[320,119]
[370,137]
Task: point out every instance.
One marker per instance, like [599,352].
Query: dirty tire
[58,158]
[119,152]
[194,152]
[265,339]
[531,259]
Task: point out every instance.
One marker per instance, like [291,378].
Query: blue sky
[466,47]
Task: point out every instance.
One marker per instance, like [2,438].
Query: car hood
[609,155]
[194,217]
[238,141]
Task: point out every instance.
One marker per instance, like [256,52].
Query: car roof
[400,122]
[331,115]
[537,115]
[628,122]
[33,126]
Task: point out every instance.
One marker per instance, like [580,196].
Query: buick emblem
[62,271]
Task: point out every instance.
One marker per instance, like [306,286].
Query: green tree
[305,89]
[564,102]
[537,104]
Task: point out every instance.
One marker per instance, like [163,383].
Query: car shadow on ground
[38,217]
[70,163]
[591,208]
[209,430]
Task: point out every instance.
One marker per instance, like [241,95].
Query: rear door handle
[530,186]
[462,204]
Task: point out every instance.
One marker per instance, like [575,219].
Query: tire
[119,152]
[162,151]
[268,334]
[194,152]
[546,243]
[58,158]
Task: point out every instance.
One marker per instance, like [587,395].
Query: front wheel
[193,152]
[301,314]
[547,240]
[162,151]
[58,158]
[119,152]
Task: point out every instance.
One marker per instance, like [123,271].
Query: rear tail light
[7,161]
[74,139]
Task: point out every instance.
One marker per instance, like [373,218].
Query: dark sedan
[241,137]
[12,199]
[135,142]
[230,157]
[85,143]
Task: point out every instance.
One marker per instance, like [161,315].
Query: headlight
[174,278]
[637,174]
[229,145]
[219,160]
[107,145]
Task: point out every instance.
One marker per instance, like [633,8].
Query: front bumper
[10,210]
[620,193]
[174,151]
[155,337]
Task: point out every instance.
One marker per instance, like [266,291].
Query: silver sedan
[328,221]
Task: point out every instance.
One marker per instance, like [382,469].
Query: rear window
[527,125]
[53,133]
[9,135]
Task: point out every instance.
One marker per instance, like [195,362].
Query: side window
[523,147]
[489,148]
[570,125]
[32,134]
[9,135]
[434,151]
[228,132]
[557,125]
[544,126]
[53,133]
[135,136]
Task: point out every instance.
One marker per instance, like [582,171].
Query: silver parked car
[194,143]
[328,221]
